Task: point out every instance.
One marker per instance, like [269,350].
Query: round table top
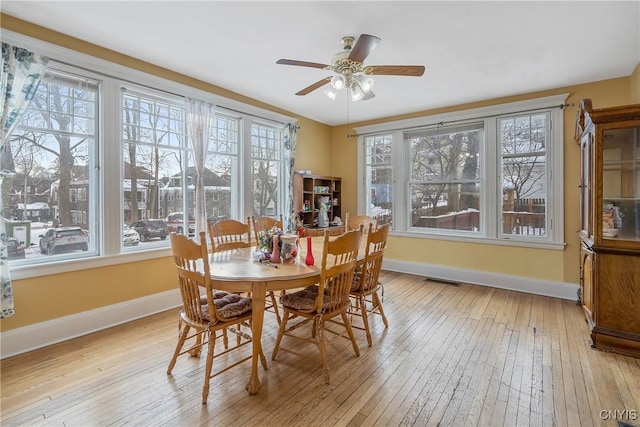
[239,265]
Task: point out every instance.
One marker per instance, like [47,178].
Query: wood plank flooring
[453,355]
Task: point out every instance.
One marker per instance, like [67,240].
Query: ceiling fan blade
[363,47]
[314,86]
[395,70]
[301,63]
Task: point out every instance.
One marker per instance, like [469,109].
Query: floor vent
[443,281]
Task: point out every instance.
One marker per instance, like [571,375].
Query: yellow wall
[552,265]
[323,150]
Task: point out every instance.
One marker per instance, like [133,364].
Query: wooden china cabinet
[307,192]
[610,225]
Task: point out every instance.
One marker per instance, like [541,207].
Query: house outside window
[155,147]
[222,168]
[486,174]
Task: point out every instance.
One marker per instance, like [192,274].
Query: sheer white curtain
[19,79]
[200,116]
[290,138]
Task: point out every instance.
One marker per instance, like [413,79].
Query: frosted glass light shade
[331,93]
[366,83]
[356,92]
[338,82]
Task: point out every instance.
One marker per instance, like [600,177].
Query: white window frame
[248,159]
[177,195]
[490,157]
[110,165]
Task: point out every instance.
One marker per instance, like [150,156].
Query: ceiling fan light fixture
[331,93]
[338,82]
[356,92]
[366,83]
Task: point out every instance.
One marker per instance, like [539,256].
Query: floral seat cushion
[227,305]
[305,300]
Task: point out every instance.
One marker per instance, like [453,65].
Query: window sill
[481,240]
[65,266]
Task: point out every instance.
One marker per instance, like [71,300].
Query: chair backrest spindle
[354,222]
[228,234]
[264,223]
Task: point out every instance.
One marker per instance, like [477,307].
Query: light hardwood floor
[466,355]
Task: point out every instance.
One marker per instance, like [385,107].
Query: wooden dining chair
[366,284]
[228,234]
[354,222]
[216,312]
[264,223]
[323,302]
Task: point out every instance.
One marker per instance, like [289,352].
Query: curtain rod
[561,106]
[253,115]
[102,73]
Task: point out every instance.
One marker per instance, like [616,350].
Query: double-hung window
[378,172]
[222,180]
[266,167]
[156,156]
[444,177]
[53,152]
[491,174]
[524,184]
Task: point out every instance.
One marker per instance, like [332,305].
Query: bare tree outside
[52,143]
[444,177]
[524,156]
[378,152]
[266,155]
[523,146]
[154,133]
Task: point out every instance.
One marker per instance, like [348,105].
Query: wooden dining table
[237,271]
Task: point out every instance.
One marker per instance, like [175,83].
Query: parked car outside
[150,228]
[175,222]
[130,237]
[15,249]
[63,239]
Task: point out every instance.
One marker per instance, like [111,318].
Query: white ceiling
[472,50]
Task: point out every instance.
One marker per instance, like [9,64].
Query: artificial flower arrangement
[265,241]
[287,246]
[288,253]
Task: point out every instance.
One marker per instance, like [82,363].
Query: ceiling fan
[350,71]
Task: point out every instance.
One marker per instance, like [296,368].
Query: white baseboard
[562,290]
[21,340]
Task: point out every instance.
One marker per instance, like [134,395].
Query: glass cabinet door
[621,184]
[586,211]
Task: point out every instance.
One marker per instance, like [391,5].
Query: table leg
[258,296]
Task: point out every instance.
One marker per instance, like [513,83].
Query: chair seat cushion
[355,283]
[216,295]
[227,305]
[305,300]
